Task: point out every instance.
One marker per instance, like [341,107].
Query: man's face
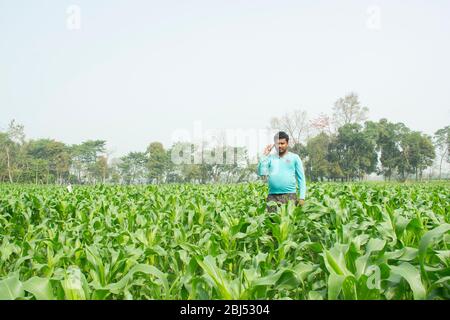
[281,145]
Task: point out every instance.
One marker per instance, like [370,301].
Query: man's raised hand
[268,149]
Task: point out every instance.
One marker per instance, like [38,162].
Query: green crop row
[349,241]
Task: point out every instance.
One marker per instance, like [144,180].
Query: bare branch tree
[295,124]
[321,124]
[349,110]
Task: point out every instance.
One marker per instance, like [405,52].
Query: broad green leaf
[40,287]
[412,276]
[287,280]
[335,260]
[429,237]
[335,282]
[217,275]
[11,288]
[314,295]
[146,269]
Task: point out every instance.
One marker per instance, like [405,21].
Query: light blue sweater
[284,173]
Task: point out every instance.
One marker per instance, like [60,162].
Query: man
[285,170]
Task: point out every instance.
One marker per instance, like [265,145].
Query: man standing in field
[285,170]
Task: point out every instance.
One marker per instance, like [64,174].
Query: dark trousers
[280,199]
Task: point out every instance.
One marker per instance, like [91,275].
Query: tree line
[345,146]
[47,161]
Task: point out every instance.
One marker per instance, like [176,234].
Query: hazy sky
[137,71]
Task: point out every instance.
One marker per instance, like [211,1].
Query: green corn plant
[185,241]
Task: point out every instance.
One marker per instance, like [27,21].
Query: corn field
[349,241]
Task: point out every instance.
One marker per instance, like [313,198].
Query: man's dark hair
[281,135]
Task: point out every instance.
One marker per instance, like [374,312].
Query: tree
[114,171]
[295,124]
[49,159]
[317,166]
[157,163]
[321,124]
[101,168]
[191,173]
[236,169]
[354,151]
[16,132]
[11,144]
[223,162]
[388,140]
[133,167]
[214,162]
[349,110]
[85,157]
[334,158]
[6,160]
[442,143]
[416,155]
[179,155]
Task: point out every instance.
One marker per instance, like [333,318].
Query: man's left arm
[300,175]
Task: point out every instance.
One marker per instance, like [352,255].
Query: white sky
[138,71]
